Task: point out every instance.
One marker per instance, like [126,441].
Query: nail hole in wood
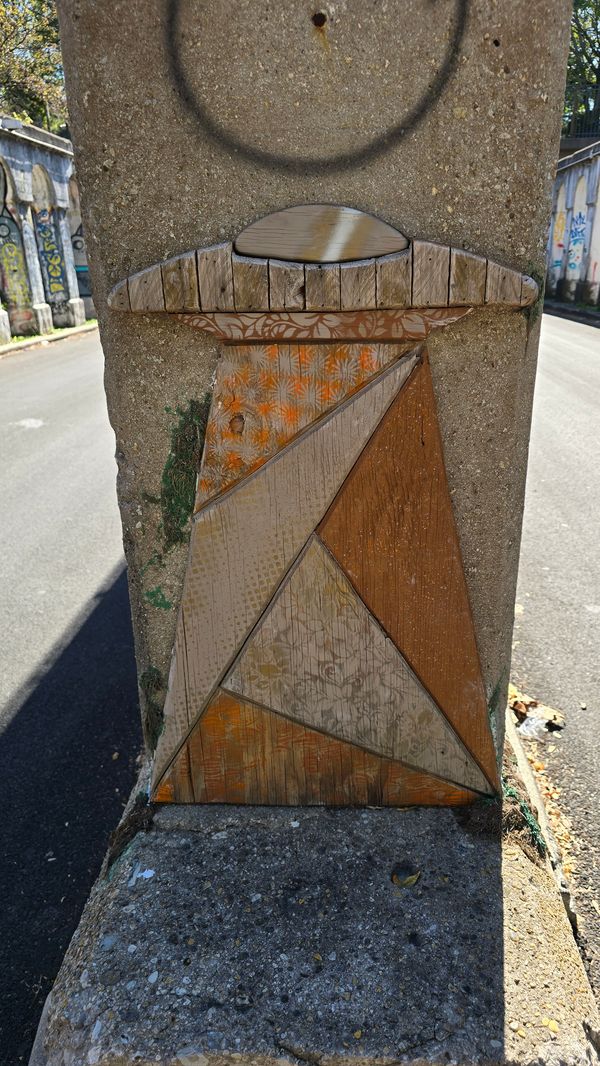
[319,19]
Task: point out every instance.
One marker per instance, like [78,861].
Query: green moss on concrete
[178,482]
[528,816]
[158,599]
[153,689]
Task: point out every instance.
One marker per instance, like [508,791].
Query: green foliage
[582,96]
[31,73]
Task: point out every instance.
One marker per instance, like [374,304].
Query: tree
[582,97]
[31,73]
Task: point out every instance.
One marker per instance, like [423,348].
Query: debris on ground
[535,725]
[534,721]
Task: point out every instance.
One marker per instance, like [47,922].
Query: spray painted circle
[308,165]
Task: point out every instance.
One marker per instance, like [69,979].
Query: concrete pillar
[4,326]
[391,120]
[41,309]
[75,303]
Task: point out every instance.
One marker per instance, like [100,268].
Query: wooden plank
[395,324]
[180,283]
[357,285]
[320,233]
[243,543]
[319,658]
[529,291]
[394,277]
[503,286]
[118,297]
[255,413]
[240,753]
[146,291]
[431,274]
[396,501]
[467,278]
[286,286]
[322,287]
[215,278]
[250,283]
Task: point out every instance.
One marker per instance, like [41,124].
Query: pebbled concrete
[272,934]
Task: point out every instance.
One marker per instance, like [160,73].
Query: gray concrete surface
[557,627]
[155,182]
[69,726]
[278,935]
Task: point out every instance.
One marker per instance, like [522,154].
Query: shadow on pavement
[62,791]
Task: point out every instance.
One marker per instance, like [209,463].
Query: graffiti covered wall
[574,245]
[38,282]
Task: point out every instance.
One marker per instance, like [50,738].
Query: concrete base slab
[43,317]
[4,327]
[270,934]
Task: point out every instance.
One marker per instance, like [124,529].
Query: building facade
[43,265]
[574,239]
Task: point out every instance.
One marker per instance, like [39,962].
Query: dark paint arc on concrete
[307,165]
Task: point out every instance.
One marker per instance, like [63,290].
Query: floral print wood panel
[265,394]
[319,657]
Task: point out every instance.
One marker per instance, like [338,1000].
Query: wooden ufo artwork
[325,651]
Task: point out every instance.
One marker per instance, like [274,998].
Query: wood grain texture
[180,283]
[215,278]
[265,395]
[503,286]
[394,279]
[240,753]
[392,530]
[357,285]
[244,542]
[286,286]
[146,291]
[431,274]
[118,297]
[332,325]
[250,283]
[322,287]
[467,278]
[319,233]
[529,291]
[319,657]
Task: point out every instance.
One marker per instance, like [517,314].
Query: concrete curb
[572,312]
[46,338]
[539,809]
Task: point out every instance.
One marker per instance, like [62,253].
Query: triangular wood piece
[243,543]
[266,394]
[319,657]
[392,530]
[241,753]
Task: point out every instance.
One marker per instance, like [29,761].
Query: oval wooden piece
[320,233]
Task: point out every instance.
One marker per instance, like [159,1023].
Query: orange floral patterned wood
[241,753]
[266,394]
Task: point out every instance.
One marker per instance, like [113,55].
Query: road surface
[69,731]
[556,657]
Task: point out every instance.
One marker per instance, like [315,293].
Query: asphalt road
[556,656]
[69,729]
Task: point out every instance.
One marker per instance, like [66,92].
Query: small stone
[84,979]
[96,1031]
[357,1034]
[256,898]
[132,949]
[153,978]
[553,1026]
[514,1026]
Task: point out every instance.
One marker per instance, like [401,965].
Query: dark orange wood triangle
[241,753]
[392,530]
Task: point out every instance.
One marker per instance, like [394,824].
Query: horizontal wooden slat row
[424,275]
